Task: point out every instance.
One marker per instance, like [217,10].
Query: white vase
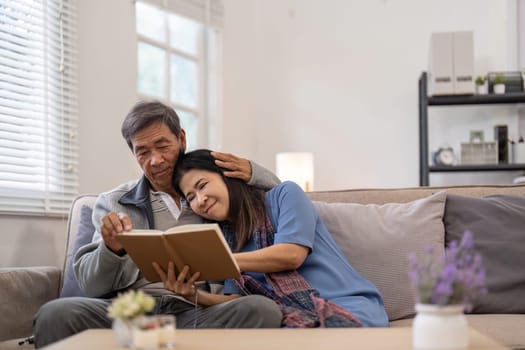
[499,88]
[440,327]
[122,330]
[482,89]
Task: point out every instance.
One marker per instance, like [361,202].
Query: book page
[143,250]
[203,248]
[192,228]
[143,232]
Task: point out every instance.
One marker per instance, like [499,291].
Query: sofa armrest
[22,291]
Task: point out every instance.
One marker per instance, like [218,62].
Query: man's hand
[179,284]
[240,168]
[114,224]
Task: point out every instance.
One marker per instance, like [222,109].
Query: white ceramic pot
[499,88]
[481,89]
[440,327]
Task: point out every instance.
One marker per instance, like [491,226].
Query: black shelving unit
[456,100]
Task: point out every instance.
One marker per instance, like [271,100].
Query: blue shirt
[326,268]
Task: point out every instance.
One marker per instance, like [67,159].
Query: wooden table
[274,339]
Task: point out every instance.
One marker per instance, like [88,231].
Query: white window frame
[208,110]
[38,107]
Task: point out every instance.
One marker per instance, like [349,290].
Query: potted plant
[127,311]
[445,286]
[499,84]
[481,84]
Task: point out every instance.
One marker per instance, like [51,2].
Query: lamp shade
[297,167]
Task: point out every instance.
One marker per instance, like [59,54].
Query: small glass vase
[122,330]
[440,327]
[145,333]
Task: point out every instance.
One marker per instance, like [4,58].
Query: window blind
[209,12]
[38,106]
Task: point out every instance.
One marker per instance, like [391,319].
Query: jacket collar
[138,196]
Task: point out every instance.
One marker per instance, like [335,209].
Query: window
[177,48]
[38,106]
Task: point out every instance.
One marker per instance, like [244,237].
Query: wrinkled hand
[240,168]
[114,224]
[178,284]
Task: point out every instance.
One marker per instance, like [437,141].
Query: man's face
[156,149]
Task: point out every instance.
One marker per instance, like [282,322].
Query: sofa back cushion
[80,232]
[377,239]
[404,195]
[23,290]
[498,225]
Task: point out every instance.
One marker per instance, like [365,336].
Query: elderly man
[152,131]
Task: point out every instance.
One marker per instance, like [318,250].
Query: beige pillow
[377,239]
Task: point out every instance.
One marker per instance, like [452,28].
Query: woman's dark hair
[146,113]
[247,210]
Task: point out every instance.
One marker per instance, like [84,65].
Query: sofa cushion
[378,238]
[84,236]
[498,225]
[23,290]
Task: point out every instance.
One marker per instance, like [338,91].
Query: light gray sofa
[376,228]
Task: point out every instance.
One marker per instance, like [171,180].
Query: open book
[200,246]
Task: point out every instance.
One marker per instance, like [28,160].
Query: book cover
[200,246]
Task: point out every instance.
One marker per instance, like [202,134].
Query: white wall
[339,78]
[335,77]
[108,80]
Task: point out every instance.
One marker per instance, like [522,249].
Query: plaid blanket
[300,303]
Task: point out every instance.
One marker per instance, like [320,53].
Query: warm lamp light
[297,167]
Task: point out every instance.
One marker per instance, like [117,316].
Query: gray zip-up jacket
[98,270]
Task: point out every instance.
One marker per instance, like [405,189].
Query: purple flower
[457,277]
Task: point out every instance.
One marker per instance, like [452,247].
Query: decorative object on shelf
[499,84]
[477,136]
[479,153]
[519,180]
[501,136]
[445,287]
[297,167]
[444,156]
[126,309]
[518,151]
[481,85]
[451,63]
[512,80]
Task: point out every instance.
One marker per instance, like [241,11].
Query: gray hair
[146,113]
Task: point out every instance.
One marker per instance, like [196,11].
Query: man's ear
[182,140]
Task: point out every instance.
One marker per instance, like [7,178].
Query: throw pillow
[377,239]
[498,225]
[85,233]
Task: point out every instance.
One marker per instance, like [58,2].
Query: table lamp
[297,167]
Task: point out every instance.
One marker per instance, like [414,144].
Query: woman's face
[206,193]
